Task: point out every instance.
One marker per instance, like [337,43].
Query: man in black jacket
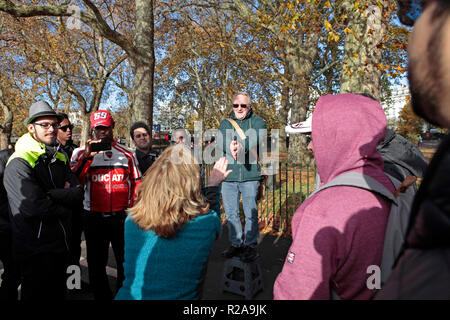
[41,189]
[422,271]
[141,135]
[10,279]
[64,135]
[64,138]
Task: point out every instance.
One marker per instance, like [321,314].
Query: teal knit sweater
[157,268]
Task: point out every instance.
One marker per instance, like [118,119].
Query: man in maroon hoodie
[338,233]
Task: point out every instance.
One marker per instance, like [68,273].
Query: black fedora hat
[40,109]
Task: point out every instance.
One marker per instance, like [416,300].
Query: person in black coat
[422,271]
[41,189]
[141,135]
[64,138]
[10,276]
[64,135]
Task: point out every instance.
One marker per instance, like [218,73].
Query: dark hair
[410,10]
[61,116]
[137,125]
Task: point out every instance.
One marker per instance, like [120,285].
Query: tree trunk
[301,65]
[6,129]
[297,142]
[143,63]
[6,126]
[285,106]
[86,132]
[363,48]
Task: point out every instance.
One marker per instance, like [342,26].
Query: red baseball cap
[101,118]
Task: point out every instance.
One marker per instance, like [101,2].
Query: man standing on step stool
[240,133]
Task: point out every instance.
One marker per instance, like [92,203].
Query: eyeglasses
[137,136]
[47,125]
[410,10]
[243,106]
[64,128]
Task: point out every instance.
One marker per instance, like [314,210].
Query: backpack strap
[237,128]
[359,180]
[242,135]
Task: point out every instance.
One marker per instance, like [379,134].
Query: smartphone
[100,146]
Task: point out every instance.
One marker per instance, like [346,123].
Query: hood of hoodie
[346,130]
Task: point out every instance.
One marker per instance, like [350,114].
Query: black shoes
[231,252]
[249,254]
[245,253]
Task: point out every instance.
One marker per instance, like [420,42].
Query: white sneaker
[300,127]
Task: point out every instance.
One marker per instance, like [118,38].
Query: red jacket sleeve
[135,178]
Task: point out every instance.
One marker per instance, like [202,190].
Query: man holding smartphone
[110,174]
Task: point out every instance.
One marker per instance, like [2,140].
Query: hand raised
[87,149]
[235,148]
[219,172]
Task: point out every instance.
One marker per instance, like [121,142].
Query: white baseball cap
[300,127]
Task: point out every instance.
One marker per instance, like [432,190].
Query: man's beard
[423,98]
[45,140]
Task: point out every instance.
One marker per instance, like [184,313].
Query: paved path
[272,249]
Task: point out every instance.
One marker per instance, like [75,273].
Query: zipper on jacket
[39,232]
[53,182]
[65,235]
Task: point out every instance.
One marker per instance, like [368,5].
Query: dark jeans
[75,236]
[10,276]
[99,232]
[44,276]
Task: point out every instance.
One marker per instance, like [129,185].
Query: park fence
[284,193]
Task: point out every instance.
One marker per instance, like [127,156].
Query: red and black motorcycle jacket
[110,178]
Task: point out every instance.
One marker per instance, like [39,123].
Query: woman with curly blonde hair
[172,224]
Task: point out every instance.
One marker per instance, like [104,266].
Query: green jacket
[245,168]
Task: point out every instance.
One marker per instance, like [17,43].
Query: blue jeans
[231,192]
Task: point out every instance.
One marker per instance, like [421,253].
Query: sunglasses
[64,128]
[47,125]
[409,11]
[243,106]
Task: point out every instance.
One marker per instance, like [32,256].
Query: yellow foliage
[402,70]
[327,25]
[333,36]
